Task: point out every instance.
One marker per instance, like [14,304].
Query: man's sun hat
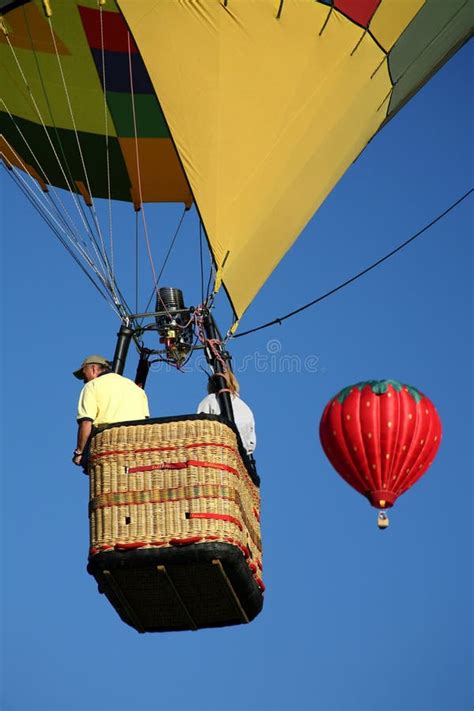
[92,359]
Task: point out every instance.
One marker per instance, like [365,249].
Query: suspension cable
[360,274]
[56,156]
[64,164]
[107,148]
[137,158]
[102,268]
[63,213]
[58,217]
[38,112]
[55,228]
[201,261]
[101,251]
[155,287]
[137,264]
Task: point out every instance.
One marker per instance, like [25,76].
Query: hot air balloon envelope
[380,436]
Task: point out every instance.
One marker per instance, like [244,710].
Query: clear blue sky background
[354,619]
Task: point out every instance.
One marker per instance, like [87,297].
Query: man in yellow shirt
[105,398]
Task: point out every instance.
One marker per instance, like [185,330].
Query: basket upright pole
[216,363]
[124,336]
[142,369]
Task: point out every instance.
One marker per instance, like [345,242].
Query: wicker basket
[174,523]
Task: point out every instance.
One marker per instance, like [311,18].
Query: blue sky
[354,620]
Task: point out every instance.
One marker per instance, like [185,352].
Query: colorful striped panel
[435,33]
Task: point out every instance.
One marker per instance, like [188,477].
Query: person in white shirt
[243,415]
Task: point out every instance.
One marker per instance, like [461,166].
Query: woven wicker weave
[172,483]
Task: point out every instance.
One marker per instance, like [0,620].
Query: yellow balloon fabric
[266,113]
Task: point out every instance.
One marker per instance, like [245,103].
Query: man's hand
[83,433]
[77,458]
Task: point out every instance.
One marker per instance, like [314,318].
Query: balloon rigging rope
[107,148]
[100,250]
[136,262]
[71,230]
[40,206]
[74,234]
[360,274]
[60,228]
[38,112]
[78,204]
[137,157]
[201,263]
[155,287]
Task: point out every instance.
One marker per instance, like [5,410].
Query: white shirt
[244,419]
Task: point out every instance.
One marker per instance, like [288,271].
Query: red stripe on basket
[184,541]
[252,567]
[163,465]
[184,465]
[213,465]
[260,583]
[218,517]
[256,514]
[130,546]
[111,452]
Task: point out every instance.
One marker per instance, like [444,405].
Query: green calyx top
[380,387]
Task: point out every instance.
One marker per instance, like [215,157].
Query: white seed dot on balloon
[408,470]
[368,403]
[373,466]
[387,456]
[334,432]
[393,478]
[427,412]
[389,423]
[348,417]
[435,439]
[369,435]
[404,447]
[389,394]
[422,441]
[410,416]
[355,449]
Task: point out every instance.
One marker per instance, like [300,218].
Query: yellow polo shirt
[112,398]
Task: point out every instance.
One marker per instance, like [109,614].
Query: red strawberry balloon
[380,436]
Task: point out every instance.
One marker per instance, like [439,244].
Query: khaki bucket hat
[96,359]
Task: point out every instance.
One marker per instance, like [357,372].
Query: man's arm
[84,429]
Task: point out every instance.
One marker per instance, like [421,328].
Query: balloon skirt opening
[382,499]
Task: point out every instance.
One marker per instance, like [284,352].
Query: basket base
[178,588]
